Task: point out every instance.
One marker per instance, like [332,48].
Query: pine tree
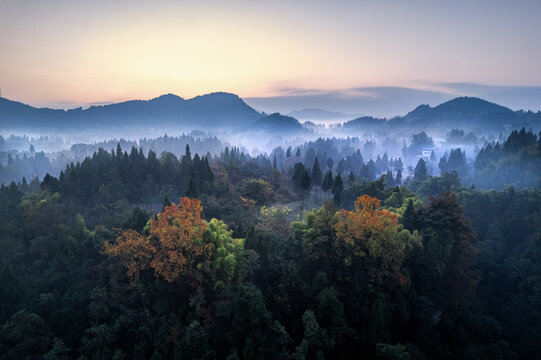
[420,172]
[188,152]
[301,180]
[316,175]
[327,182]
[371,170]
[330,163]
[338,185]
[193,191]
[389,181]
[337,189]
[408,219]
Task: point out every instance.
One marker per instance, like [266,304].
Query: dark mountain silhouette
[363,122]
[464,111]
[225,110]
[461,112]
[277,123]
[213,110]
[418,112]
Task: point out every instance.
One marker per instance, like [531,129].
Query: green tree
[193,191]
[317,176]
[301,181]
[420,174]
[337,189]
[327,182]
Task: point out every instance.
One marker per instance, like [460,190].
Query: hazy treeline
[477,161]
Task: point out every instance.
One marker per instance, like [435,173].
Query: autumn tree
[373,235]
[173,247]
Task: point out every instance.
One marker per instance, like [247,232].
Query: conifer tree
[327,182]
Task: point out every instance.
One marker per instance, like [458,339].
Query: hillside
[464,111]
[207,111]
[279,124]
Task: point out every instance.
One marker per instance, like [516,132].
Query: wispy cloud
[390,101]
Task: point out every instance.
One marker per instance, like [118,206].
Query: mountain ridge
[227,110]
[218,109]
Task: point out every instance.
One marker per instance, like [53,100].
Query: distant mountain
[319,114]
[418,112]
[228,111]
[279,124]
[213,110]
[464,111]
[364,122]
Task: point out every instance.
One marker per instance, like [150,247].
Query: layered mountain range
[228,111]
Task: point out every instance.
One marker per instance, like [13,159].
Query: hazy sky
[79,52]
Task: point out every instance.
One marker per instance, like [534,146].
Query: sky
[68,53]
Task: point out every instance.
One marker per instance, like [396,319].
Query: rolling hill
[215,110]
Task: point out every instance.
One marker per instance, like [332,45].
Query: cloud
[390,101]
[377,101]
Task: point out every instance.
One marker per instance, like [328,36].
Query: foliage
[173,247]
[97,264]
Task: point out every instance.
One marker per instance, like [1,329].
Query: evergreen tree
[316,173]
[420,172]
[337,189]
[193,191]
[330,163]
[317,176]
[408,219]
[340,167]
[188,153]
[327,182]
[443,165]
[371,170]
[389,181]
[301,180]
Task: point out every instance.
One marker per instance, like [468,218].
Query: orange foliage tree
[372,236]
[173,247]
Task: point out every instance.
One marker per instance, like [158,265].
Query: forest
[319,249]
[270,180]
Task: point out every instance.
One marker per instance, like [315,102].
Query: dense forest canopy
[376,238]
